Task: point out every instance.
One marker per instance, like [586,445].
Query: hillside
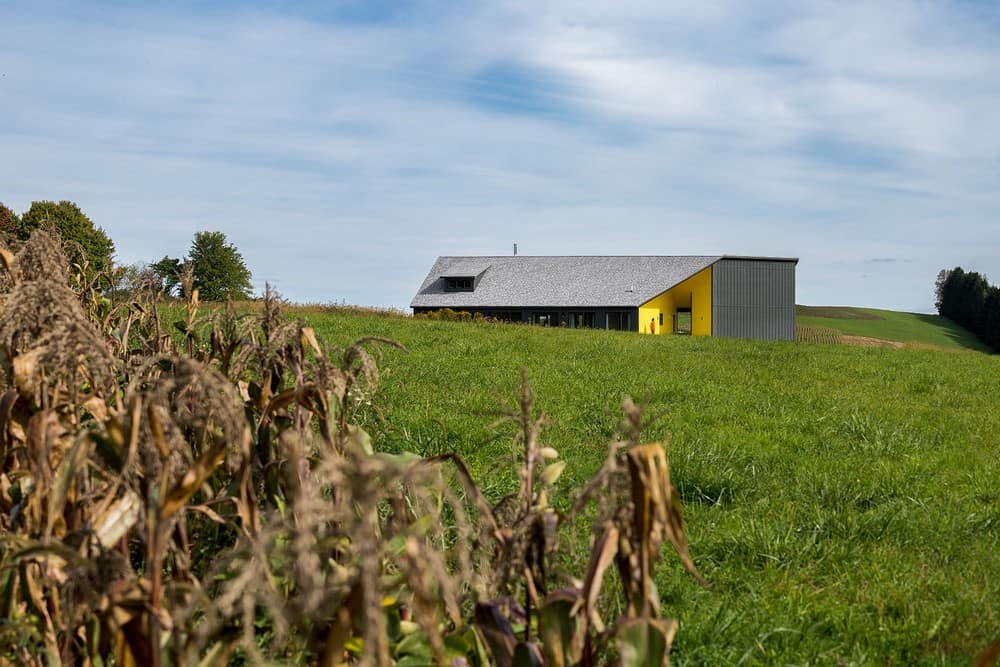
[915,329]
[841,501]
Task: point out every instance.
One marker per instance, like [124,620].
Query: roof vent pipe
[515,250]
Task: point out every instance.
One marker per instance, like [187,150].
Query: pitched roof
[556,282]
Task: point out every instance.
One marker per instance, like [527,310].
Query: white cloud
[330,152]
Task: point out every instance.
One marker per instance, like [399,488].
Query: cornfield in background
[815,334]
[201,492]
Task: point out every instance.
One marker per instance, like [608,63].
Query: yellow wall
[694,293]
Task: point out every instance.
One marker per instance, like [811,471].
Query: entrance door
[682,321]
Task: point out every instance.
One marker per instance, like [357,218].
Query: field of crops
[914,329]
[842,502]
[807,333]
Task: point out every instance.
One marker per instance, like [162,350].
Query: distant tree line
[968,299]
[213,266]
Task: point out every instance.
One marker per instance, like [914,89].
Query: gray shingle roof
[559,282]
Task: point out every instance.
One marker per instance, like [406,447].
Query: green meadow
[914,328]
[843,502]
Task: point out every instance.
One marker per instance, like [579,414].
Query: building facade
[736,296]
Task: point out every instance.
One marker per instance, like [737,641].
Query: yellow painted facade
[694,293]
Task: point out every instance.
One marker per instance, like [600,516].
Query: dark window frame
[544,318]
[460,284]
[619,320]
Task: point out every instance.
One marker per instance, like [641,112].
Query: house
[744,297]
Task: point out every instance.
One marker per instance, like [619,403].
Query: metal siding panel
[754,299]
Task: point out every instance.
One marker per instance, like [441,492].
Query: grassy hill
[888,325]
[842,501]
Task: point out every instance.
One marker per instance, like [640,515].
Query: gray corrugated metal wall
[753,298]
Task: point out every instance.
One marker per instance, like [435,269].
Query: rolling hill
[913,329]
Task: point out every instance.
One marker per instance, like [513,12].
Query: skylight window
[460,284]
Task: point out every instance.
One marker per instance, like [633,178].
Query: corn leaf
[645,642]
[497,632]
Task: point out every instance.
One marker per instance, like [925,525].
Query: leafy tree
[87,242]
[168,271]
[972,294]
[979,291]
[9,222]
[939,287]
[991,328]
[951,295]
[219,270]
[969,300]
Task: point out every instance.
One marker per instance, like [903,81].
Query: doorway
[682,321]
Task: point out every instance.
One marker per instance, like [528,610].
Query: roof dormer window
[459,284]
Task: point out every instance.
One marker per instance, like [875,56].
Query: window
[661,319]
[463,284]
[618,320]
[582,320]
[544,319]
[506,315]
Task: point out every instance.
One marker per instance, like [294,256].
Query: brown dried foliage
[210,496]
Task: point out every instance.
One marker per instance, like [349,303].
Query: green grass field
[843,502]
[890,325]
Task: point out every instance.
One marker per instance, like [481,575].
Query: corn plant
[203,493]
[638,510]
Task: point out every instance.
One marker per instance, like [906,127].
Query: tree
[980,291]
[950,295]
[972,295]
[131,280]
[219,270]
[991,329]
[9,222]
[168,271]
[86,241]
[968,299]
[939,287]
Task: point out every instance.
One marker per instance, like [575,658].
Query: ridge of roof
[761,258]
[768,258]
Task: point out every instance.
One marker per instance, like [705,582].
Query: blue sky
[343,146]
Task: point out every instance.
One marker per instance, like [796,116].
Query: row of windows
[618,320]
